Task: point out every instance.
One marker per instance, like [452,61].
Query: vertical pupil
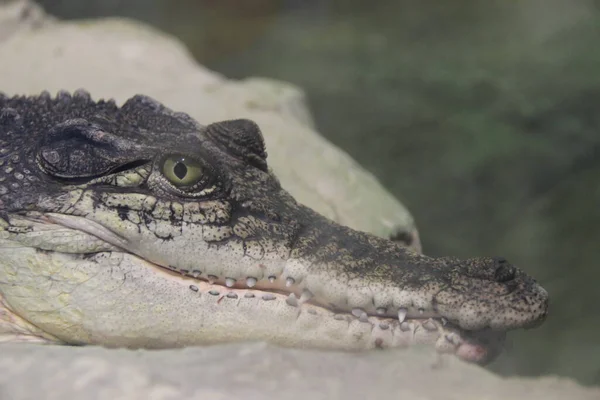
[180,170]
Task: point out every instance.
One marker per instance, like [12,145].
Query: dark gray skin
[69,156]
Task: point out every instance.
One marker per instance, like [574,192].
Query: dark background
[481,116]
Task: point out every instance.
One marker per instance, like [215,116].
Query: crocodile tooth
[268,296]
[292,300]
[380,310]
[421,311]
[402,314]
[229,282]
[289,282]
[444,321]
[249,295]
[272,279]
[196,273]
[357,312]
[232,295]
[212,279]
[405,326]
[214,292]
[250,281]
[452,339]
[429,325]
[194,288]
[305,296]
[383,326]
[360,314]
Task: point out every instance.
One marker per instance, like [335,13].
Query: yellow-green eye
[182,171]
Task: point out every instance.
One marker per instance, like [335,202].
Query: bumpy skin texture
[201,201]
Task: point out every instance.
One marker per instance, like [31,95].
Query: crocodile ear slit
[241,138]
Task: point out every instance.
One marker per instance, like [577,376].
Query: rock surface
[117,59]
[259,371]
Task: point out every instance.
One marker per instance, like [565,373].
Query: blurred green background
[481,116]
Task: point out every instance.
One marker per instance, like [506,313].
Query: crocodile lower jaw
[117,299]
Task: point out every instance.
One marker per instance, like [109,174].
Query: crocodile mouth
[479,346]
[273,283]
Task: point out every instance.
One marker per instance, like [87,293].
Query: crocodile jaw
[342,269]
[117,299]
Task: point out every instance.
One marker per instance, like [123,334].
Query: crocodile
[136,226]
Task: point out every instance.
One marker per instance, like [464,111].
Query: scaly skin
[121,224]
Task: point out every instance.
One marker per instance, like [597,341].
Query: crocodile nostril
[505,272]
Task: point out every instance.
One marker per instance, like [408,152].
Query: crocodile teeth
[249,295]
[194,288]
[405,327]
[357,312]
[444,321]
[212,279]
[196,273]
[268,296]
[451,338]
[250,281]
[383,326]
[271,279]
[214,292]
[289,282]
[229,282]
[380,311]
[306,296]
[430,325]
[292,300]
[402,314]
[421,311]
[232,295]
[360,314]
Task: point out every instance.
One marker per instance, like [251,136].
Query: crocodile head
[136,226]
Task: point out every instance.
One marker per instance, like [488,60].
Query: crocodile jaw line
[277,282]
[336,267]
[118,299]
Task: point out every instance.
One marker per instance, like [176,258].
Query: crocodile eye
[182,171]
